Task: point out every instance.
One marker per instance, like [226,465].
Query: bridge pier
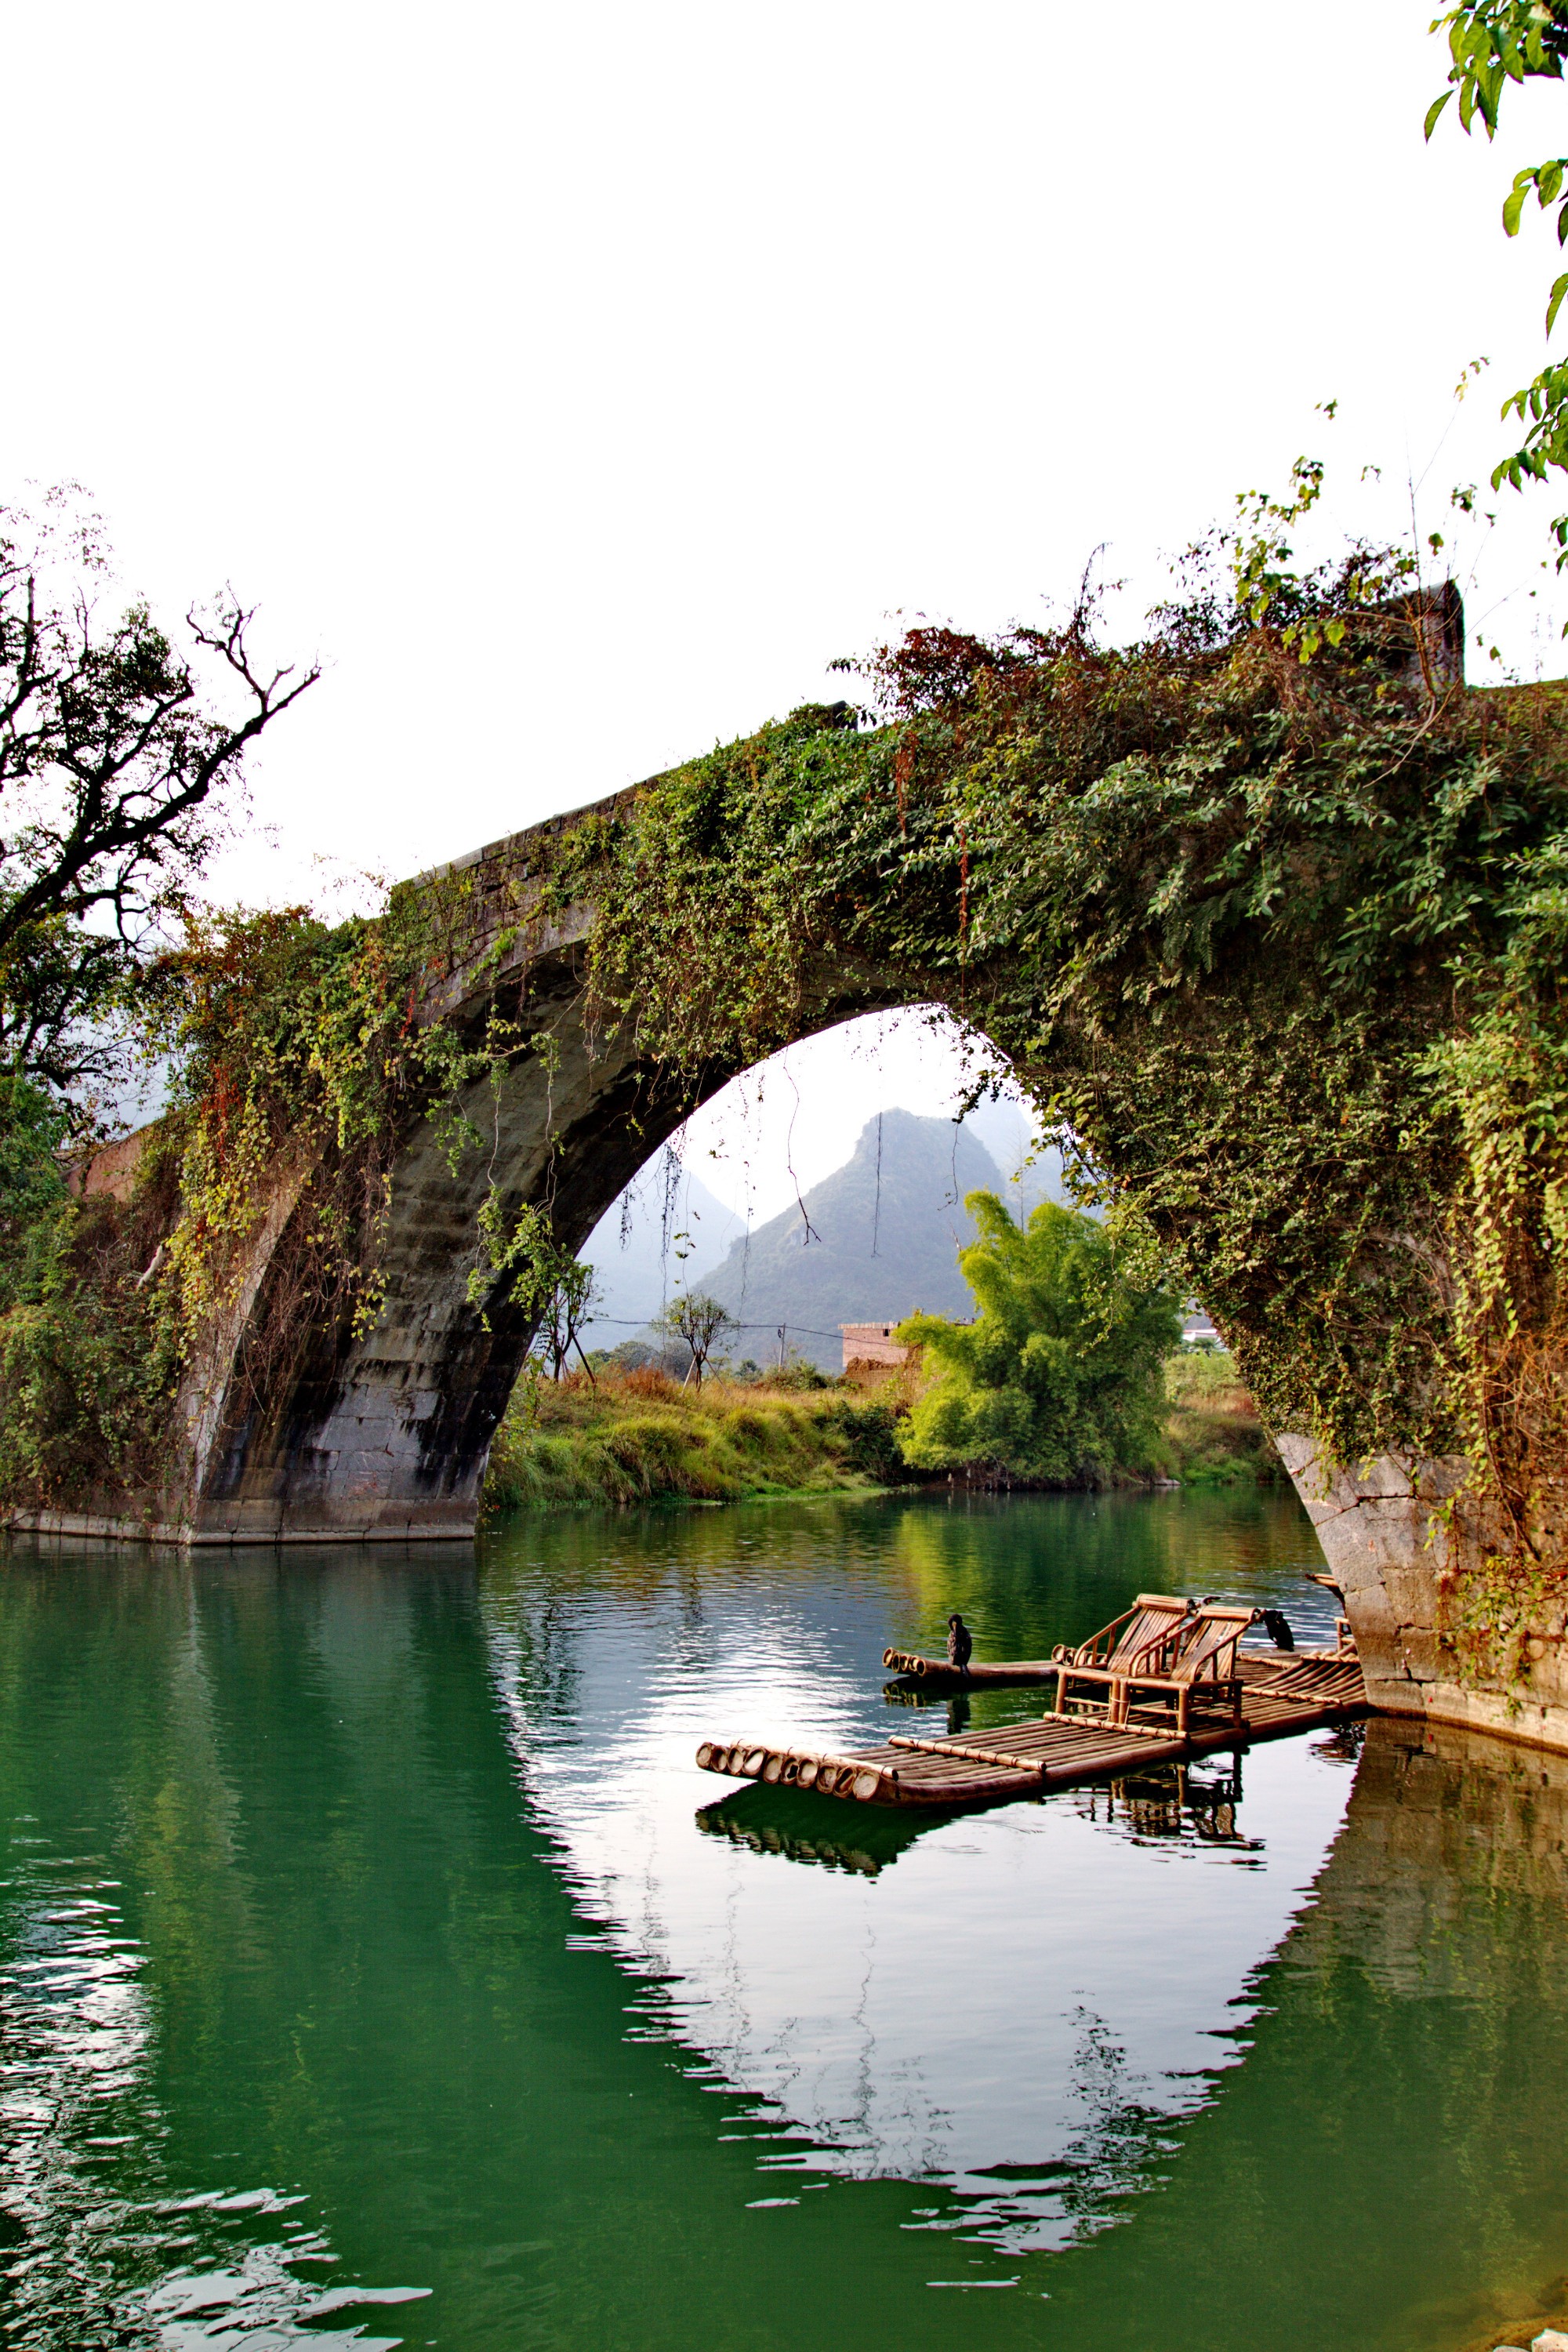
[1390,1530]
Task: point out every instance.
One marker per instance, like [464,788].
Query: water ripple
[146,2269]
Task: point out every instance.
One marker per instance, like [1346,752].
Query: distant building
[871,1343]
[1198,1331]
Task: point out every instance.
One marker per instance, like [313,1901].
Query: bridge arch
[1203,899]
[387,1436]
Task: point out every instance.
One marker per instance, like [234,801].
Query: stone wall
[1387,1543]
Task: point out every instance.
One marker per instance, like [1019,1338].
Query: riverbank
[639,1437]
[1211,1427]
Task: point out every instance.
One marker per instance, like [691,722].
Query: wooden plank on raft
[976,1754]
[1281,1696]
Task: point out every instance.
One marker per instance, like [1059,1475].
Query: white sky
[778,1129]
[579,382]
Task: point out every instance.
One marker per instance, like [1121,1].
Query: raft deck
[1282,1694]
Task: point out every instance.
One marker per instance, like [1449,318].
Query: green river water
[376,1968]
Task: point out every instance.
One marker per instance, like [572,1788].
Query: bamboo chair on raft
[1163,1658]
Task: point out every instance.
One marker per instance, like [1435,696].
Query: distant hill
[880,1237]
[666,1231]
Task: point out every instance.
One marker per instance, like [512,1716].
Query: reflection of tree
[635,1552]
[1031,1571]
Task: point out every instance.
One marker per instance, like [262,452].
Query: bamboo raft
[1282,1695]
[909,1666]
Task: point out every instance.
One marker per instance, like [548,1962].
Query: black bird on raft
[1274,1622]
[960,1643]
[1278,1626]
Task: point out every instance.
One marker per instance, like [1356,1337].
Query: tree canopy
[696,1323]
[115,758]
[1058,1377]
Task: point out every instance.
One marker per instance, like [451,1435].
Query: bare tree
[701,1323]
[115,762]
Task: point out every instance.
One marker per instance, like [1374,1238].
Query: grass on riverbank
[1212,1425]
[639,1437]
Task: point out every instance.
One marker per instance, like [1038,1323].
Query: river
[376,1968]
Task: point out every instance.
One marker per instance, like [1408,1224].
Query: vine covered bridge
[385,1434]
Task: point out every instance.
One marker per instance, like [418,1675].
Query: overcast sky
[579,382]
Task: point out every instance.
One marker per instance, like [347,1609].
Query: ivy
[86,1373]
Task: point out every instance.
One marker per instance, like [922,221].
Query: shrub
[1059,1379]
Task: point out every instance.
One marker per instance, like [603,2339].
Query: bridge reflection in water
[1389,2165]
[360,1882]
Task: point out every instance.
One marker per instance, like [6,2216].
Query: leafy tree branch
[117,764]
[1491,45]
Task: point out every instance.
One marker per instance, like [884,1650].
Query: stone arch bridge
[387,1436]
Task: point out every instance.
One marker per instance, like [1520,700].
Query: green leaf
[1435,110]
[1559,288]
[1513,205]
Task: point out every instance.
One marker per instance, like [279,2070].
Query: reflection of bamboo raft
[1279,1696]
[793,1827]
[910,1663]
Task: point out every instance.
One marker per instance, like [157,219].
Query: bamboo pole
[970,1755]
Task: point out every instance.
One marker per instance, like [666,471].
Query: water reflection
[1387,2168]
[1182,1803]
[930,2019]
[371,1908]
[128,1904]
[1176,1802]
[800,1827]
